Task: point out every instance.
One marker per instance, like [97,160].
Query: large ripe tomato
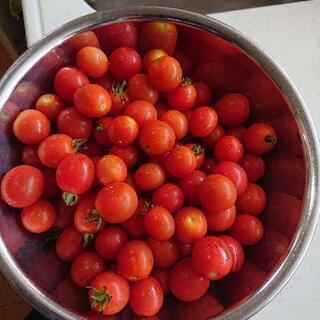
[22,186]
[146,297]
[185,283]
[50,105]
[85,268]
[109,293]
[135,260]
[140,88]
[116,202]
[75,173]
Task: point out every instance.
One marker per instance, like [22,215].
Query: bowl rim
[310,212]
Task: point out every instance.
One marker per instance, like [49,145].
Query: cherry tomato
[92,100]
[55,148]
[156,138]
[105,81]
[232,109]
[90,148]
[190,184]
[177,121]
[228,148]
[85,268]
[254,166]
[203,94]
[70,244]
[219,221]
[158,35]
[125,63]
[109,241]
[165,253]
[211,139]
[191,225]
[146,297]
[31,126]
[50,105]
[30,156]
[169,196]
[259,138]
[116,202]
[74,124]
[238,132]
[150,57]
[92,61]
[100,131]
[198,152]
[208,165]
[159,223]
[135,260]
[111,168]
[83,39]
[86,218]
[236,251]
[123,130]
[119,97]
[128,154]
[161,109]
[149,176]
[252,200]
[64,216]
[183,97]
[22,186]
[141,111]
[217,193]
[116,35]
[108,293]
[140,88]
[203,121]
[247,229]
[162,276]
[185,62]
[185,283]
[235,173]
[38,217]
[67,81]
[165,74]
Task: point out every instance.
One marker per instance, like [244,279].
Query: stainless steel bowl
[36,272]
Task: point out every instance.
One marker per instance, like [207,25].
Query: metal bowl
[230,63]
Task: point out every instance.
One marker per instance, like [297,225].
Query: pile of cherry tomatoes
[152,187]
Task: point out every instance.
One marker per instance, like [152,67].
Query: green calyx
[69,198]
[95,217]
[99,298]
[197,149]
[186,82]
[78,143]
[87,238]
[120,88]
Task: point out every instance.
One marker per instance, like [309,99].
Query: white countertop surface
[291,34]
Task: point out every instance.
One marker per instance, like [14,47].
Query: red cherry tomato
[141,111]
[100,131]
[85,268]
[177,121]
[146,297]
[185,249]
[92,100]
[74,124]
[254,166]
[165,253]
[135,260]
[55,148]
[232,109]
[22,186]
[211,139]
[235,173]
[198,151]
[123,130]
[128,154]
[203,121]
[83,39]
[156,138]
[92,61]
[236,251]
[228,148]
[247,229]
[159,223]
[259,138]
[217,193]
[162,276]
[149,176]
[219,221]
[31,127]
[203,94]
[140,88]
[185,283]
[75,173]
[38,217]
[30,156]
[158,35]
[116,202]
[208,165]
[50,105]
[111,168]
[109,241]
[67,81]
[165,74]
[150,57]
[252,201]
[119,97]
[182,97]
[106,81]
[109,293]
[191,225]
[168,196]
[125,63]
